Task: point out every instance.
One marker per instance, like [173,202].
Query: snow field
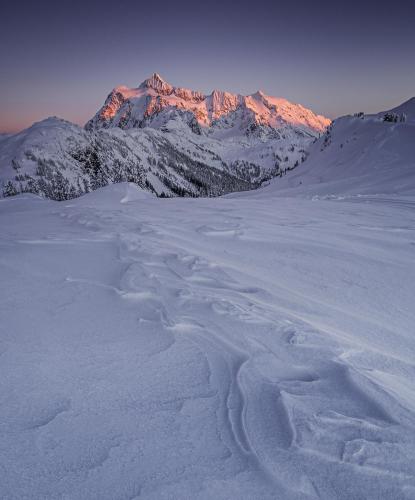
[215,348]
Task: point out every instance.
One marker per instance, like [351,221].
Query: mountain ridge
[169,140]
[127,107]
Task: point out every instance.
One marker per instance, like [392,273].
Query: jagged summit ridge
[138,107]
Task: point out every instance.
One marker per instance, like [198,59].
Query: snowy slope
[245,347]
[60,160]
[359,155]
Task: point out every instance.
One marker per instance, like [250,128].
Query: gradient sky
[63,57]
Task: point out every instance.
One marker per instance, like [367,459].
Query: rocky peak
[157,83]
[223,103]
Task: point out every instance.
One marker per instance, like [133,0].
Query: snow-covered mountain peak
[221,103]
[140,107]
[168,140]
[157,83]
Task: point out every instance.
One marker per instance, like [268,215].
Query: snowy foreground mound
[239,348]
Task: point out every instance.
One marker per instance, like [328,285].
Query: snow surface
[245,347]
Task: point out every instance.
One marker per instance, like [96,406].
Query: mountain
[168,140]
[359,155]
[151,103]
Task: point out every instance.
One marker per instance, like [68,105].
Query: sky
[63,58]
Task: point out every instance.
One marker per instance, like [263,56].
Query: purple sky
[63,58]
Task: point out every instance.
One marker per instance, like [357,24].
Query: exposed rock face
[156,83]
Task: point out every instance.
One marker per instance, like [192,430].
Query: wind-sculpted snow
[229,348]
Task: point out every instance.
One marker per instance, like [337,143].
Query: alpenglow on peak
[156,82]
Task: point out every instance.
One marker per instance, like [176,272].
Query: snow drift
[230,348]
